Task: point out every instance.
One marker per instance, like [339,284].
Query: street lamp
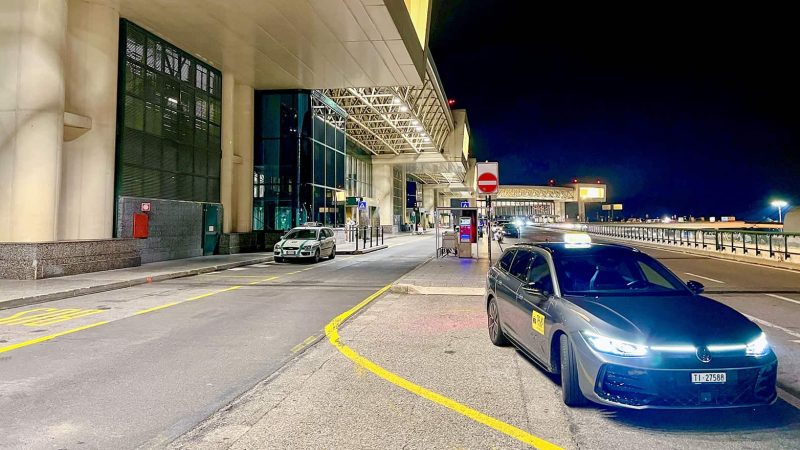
[780,204]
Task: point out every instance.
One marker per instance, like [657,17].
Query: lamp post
[780,204]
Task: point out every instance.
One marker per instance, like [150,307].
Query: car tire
[570,388]
[316,256]
[496,334]
[333,253]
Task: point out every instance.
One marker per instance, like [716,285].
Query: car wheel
[316,256]
[570,390]
[496,334]
[333,253]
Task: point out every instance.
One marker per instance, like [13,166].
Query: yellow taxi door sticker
[537,322]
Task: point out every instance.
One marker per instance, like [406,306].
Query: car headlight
[614,346]
[758,347]
[277,246]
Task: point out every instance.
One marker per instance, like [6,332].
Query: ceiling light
[403,108]
[415,122]
[418,128]
[396,100]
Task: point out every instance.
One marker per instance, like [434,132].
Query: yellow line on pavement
[332,331]
[47,338]
[300,346]
[209,294]
[264,280]
[156,308]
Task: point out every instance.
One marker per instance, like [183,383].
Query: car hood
[669,320]
[297,242]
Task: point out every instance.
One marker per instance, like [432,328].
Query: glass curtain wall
[299,161]
[169,117]
[398,185]
[358,167]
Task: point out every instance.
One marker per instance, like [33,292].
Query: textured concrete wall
[28,261]
[176,228]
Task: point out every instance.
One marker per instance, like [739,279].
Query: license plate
[709,377]
[289,252]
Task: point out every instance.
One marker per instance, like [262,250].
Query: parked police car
[306,243]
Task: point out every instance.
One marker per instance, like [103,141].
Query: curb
[77,292]
[363,251]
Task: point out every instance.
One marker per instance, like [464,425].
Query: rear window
[505,260]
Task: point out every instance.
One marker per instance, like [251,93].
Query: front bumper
[298,253]
[658,382]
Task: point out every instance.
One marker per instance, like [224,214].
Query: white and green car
[306,242]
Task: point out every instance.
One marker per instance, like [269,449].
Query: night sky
[687,112]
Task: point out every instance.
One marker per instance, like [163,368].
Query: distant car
[622,330]
[511,230]
[306,242]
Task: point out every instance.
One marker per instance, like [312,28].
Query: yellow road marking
[47,338]
[332,331]
[264,280]
[156,308]
[292,273]
[46,316]
[230,276]
[301,345]
[209,294]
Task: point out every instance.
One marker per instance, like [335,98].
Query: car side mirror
[696,287]
[536,288]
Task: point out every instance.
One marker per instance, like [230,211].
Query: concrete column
[32,45]
[86,210]
[382,190]
[227,167]
[243,148]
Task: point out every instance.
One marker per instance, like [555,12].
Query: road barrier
[776,245]
[367,237]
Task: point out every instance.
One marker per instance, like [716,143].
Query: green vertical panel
[200,162]
[200,190]
[185,158]
[151,154]
[169,156]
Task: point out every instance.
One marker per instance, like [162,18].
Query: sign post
[488,180]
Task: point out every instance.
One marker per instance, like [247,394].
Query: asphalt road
[144,379]
[769,296]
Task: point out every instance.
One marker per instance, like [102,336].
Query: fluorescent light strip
[726,348]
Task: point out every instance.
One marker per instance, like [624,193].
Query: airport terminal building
[220,124]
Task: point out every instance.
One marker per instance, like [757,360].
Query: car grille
[290,248]
[674,389]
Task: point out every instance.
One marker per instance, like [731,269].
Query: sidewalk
[15,293]
[349,248]
[433,336]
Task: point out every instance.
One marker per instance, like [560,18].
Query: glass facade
[169,118]
[398,200]
[299,161]
[358,167]
[520,208]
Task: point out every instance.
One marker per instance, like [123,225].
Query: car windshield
[302,234]
[613,271]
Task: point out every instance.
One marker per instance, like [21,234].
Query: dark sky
[680,110]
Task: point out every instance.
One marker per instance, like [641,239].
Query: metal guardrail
[368,237]
[778,245]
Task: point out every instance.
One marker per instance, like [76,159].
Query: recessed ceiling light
[396,100]
[403,108]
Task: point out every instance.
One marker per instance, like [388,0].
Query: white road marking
[770,324]
[238,268]
[705,278]
[780,297]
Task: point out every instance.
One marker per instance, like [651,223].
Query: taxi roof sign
[577,238]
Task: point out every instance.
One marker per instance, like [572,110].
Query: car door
[327,242]
[518,273]
[503,289]
[534,301]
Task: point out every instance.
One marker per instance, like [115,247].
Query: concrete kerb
[361,251]
[77,292]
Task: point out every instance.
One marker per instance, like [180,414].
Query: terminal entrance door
[212,224]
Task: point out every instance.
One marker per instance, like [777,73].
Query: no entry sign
[488,181]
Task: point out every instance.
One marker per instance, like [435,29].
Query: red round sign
[487,182]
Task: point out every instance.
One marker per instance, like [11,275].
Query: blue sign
[465,203]
[362,205]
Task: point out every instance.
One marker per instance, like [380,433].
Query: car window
[614,271]
[326,233]
[505,260]
[540,273]
[302,234]
[519,267]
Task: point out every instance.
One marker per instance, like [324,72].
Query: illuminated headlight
[614,346]
[758,347]
[277,246]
